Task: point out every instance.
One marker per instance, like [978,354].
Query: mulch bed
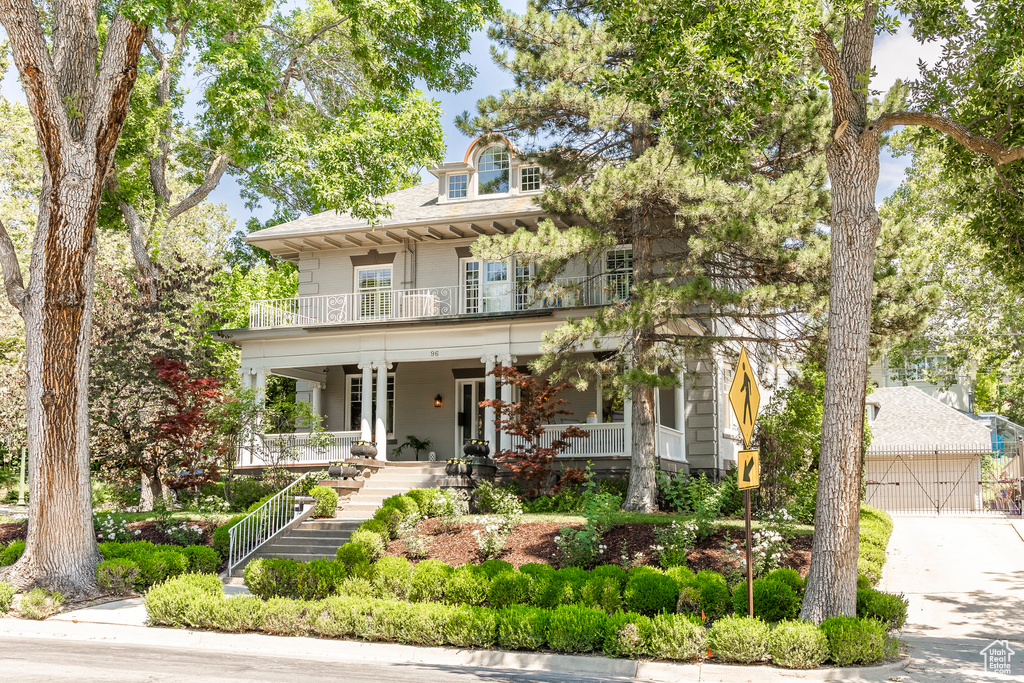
[535,542]
[149,531]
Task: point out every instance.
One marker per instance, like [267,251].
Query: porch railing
[296,449]
[671,444]
[410,304]
[263,523]
[605,440]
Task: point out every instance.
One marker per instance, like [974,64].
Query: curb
[347,650]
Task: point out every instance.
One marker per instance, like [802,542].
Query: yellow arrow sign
[749,475]
[745,397]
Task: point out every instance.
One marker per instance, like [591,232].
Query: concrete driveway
[964,578]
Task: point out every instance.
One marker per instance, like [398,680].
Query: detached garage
[924,456]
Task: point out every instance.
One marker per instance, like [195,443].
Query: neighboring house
[397,325]
[956,391]
[924,456]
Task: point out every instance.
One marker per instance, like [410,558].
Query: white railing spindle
[263,523]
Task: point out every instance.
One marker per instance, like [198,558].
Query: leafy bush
[352,554]
[110,527]
[353,587]
[379,527]
[739,639]
[509,588]
[872,571]
[372,543]
[713,594]
[12,553]
[201,559]
[222,536]
[673,542]
[465,626]
[674,636]
[392,577]
[392,518]
[245,491]
[428,579]
[797,645]
[575,628]
[117,576]
[790,577]
[172,602]
[773,600]
[497,500]
[537,570]
[494,567]
[7,592]
[612,570]
[888,608]
[603,593]
[875,530]
[404,504]
[466,585]
[858,641]
[578,546]
[521,627]
[184,533]
[270,578]
[650,592]
[326,501]
[40,604]
[625,635]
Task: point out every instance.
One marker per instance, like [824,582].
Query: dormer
[491,169]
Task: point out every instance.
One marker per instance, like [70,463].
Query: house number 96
[435,354]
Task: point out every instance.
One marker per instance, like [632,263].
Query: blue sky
[895,57]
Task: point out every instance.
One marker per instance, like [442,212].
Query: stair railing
[264,523]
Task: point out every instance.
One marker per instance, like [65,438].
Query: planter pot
[465,470]
[476,449]
[335,470]
[363,450]
[349,472]
[451,469]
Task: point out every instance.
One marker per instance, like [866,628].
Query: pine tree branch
[1000,154]
[14,285]
[213,176]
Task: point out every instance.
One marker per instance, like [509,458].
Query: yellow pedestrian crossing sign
[749,475]
[745,397]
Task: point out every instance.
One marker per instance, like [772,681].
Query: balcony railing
[295,449]
[410,304]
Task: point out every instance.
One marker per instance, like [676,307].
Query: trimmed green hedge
[875,530]
[140,564]
[11,553]
[7,592]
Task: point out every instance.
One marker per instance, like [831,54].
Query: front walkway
[964,578]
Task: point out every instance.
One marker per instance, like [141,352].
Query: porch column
[681,404]
[599,407]
[490,388]
[260,385]
[627,419]
[381,436]
[506,396]
[366,401]
[316,398]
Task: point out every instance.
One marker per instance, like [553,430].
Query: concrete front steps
[320,538]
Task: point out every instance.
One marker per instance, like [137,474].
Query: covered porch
[437,401]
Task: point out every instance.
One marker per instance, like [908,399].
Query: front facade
[397,325]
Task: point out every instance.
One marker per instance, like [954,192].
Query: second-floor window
[373,291]
[618,268]
[493,171]
[485,286]
[458,185]
[529,179]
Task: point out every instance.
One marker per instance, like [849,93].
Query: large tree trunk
[78,114]
[852,159]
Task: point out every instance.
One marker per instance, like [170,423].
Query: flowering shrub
[210,504]
[184,534]
[673,542]
[771,545]
[579,547]
[110,528]
[491,538]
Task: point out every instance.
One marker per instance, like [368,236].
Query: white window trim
[475,182]
[350,380]
[540,177]
[447,186]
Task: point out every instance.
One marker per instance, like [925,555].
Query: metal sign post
[746,400]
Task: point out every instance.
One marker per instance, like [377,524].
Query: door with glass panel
[373,292]
[470,423]
[618,268]
[486,287]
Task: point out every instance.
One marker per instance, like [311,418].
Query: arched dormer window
[493,171]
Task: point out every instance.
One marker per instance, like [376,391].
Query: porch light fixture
[438,401]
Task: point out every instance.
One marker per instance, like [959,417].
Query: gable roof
[909,418]
[411,207]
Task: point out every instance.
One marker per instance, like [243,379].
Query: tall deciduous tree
[714,67]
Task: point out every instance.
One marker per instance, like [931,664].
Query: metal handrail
[263,523]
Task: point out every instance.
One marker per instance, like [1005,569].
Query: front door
[470,422]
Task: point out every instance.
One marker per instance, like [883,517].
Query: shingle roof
[415,205]
[909,418]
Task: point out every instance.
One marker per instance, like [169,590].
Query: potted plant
[458,467]
[476,448]
[334,470]
[349,471]
[363,449]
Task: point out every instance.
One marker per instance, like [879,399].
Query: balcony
[431,302]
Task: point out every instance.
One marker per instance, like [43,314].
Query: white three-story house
[397,325]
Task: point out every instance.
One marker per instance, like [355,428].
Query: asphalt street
[38,659]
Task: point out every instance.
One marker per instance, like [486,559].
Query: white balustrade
[604,440]
[408,304]
[297,449]
[671,444]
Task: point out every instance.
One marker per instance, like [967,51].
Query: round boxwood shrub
[222,536]
[870,570]
[858,641]
[790,577]
[326,501]
[201,559]
[613,571]
[494,567]
[888,608]
[118,575]
[12,553]
[681,575]
[391,517]
[739,639]
[428,579]
[536,569]
[575,628]
[626,635]
[603,593]
[7,592]
[509,588]
[351,554]
[797,645]
[320,578]
[371,542]
[466,585]
[379,527]
[650,592]
[405,504]
[714,599]
[521,627]
[392,577]
[675,636]
[773,600]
